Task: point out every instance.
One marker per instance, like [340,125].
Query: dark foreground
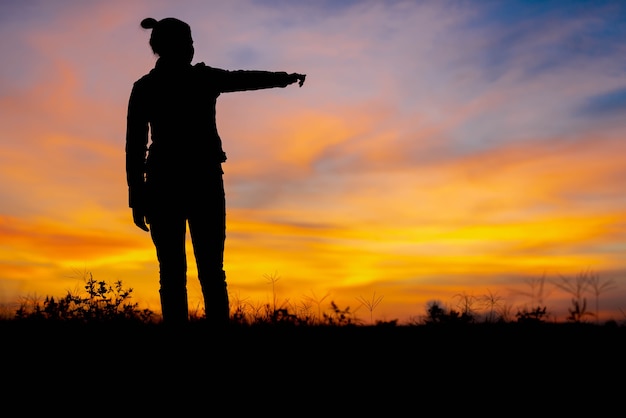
[313,371]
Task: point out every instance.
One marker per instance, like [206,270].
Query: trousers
[203,211]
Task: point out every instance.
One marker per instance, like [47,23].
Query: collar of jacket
[171,66]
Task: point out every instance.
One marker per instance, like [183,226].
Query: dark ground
[539,369]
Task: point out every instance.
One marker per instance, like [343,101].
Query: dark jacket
[176,105]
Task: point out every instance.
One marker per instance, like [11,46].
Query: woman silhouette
[177,180]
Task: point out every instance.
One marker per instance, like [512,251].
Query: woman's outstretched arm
[240,80]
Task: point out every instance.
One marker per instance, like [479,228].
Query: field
[344,370]
[98,353]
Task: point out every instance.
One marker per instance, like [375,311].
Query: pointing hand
[301,78]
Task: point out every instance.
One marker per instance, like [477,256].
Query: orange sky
[436,149]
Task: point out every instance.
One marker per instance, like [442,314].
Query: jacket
[175,106]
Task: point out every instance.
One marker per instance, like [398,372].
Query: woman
[177,179]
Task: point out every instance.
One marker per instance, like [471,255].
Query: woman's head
[171,38]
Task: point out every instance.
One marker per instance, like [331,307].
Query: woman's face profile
[181,52]
[188,51]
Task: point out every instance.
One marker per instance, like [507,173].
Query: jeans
[205,214]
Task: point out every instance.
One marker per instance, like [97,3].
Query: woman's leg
[207,227]
[168,234]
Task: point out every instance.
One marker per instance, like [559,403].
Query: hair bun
[148,23]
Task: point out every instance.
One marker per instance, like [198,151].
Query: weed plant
[101,302]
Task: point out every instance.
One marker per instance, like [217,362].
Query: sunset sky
[437,149]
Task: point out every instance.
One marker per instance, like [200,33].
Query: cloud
[46,239]
[433,143]
[611,103]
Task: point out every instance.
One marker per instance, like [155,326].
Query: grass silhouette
[100,301]
[97,348]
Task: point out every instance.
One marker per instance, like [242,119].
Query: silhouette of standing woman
[178,180]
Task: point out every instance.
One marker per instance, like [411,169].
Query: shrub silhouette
[100,302]
[435,314]
[534,316]
[338,317]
